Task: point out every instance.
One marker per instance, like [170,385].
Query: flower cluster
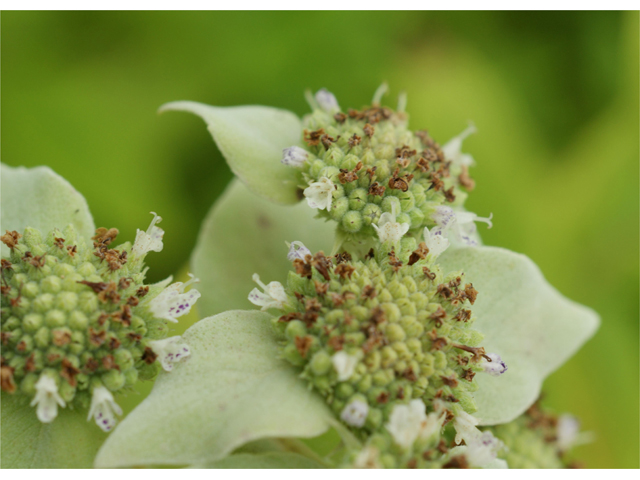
[381,338]
[78,321]
[364,164]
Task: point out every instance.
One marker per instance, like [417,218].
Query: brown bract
[419,253]
[303,344]
[6,379]
[69,372]
[376,189]
[10,239]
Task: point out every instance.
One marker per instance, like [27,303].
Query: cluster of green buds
[385,335]
[540,439]
[364,163]
[78,322]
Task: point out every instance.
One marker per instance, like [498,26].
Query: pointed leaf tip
[251,139]
[40,198]
[524,320]
[231,391]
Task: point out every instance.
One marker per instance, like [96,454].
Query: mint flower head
[79,323]
[385,318]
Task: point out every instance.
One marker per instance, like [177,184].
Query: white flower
[483,449]
[408,422]
[368,458]
[436,242]
[151,240]
[355,414]
[104,409]
[47,399]
[344,364]
[169,351]
[173,302]
[274,295]
[294,156]
[465,426]
[567,431]
[460,224]
[388,229]
[327,101]
[495,366]
[297,250]
[453,148]
[320,194]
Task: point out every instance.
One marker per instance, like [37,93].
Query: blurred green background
[554,97]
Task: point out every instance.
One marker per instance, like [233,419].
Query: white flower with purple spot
[436,242]
[320,194]
[103,409]
[483,449]
[169,351]
[274,295]
[344,364]
[297,250]
[460,224]
[388,229]
[47,399]
[453,149]
[148,241]
[493,365]
[327,101]
[294,157]
[355,414]
[173,301]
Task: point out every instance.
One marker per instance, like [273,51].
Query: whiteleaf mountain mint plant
[78,322]
[394,327]
[381,319]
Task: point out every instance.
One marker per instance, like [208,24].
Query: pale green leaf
[266,460]
[252,138]
[40,198]
[232,390]
[524,320]
[243,235]
[70,441]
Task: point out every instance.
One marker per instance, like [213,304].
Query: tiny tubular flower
[369,457]
[344,364]
[274,295]
[297,250]
[465,426]
[294,156]
[103,409]
[148,241]
[493,365]
[407,422]
[320,194]
[47,399]
[567,432]
[173,301]
[460,224]
[390,230]
[436,242]
[453,148]
[327,101]
[355,413]
[170,351]
[483,449]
